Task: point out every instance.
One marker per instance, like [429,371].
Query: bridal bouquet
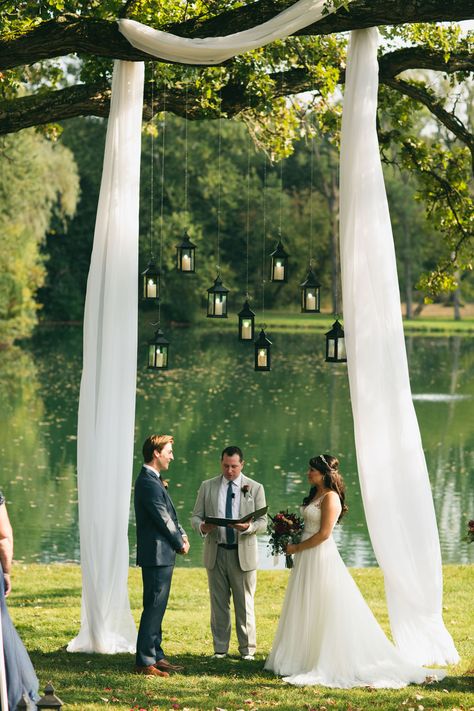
[284,528]
[470,532]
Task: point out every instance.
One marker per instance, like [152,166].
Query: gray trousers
[225,578]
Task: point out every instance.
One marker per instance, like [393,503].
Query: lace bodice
[312,517]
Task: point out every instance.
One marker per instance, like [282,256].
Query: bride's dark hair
[329,468]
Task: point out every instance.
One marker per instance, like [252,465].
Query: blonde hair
[154,442]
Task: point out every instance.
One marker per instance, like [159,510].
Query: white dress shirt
[236,487]
[154,471]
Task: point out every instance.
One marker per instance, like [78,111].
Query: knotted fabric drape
[107,395]
[395,486]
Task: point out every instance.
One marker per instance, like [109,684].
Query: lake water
[211,398]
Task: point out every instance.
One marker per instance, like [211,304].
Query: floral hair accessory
[323,459]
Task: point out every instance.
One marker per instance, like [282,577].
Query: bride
[327,634]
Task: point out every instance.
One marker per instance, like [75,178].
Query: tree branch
[76,34]
[94,99]
[448,119]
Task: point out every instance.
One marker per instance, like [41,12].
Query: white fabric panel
[213,50]
[392,468]
[107,395]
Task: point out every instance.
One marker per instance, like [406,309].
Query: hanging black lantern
[185,255]
[158,350]
[263,352]
[335,344]
[310,297]
[279,266]
[217,299]
[151,282]
[246,323]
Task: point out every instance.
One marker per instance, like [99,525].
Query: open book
[229,521]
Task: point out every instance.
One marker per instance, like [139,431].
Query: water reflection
[212,397]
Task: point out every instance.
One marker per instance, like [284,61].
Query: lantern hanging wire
[262,345]
[185,250]
[217,294]
[335,339]
[246,324]
[151,275]
[158,347]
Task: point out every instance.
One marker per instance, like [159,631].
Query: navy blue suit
[159,538]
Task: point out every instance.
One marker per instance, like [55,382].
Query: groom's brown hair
[154,442]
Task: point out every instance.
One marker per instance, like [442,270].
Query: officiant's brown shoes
[165,665]
[150,671]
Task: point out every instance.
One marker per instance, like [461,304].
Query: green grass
[320,323]
[45,606]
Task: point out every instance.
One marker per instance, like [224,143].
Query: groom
[159,538]
[231,553]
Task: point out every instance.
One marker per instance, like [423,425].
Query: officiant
[231,551]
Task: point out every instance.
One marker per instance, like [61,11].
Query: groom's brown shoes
[150,671]
[166,666]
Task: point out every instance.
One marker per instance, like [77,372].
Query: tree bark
[77,34]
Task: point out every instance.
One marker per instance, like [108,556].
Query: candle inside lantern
[262,357]
[278,272]
[159,357]
[246,329]
[310,301]
[151,289]
[218,307]
[186,263]
[331,349]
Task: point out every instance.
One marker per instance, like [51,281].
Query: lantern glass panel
[331,348]
[311,300]
[246,330]
[151,355]
[150,287]
[262,358]
[278,270]
[158,356]
[187,260]
[219,303]
[341,349]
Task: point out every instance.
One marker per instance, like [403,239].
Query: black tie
[229,532]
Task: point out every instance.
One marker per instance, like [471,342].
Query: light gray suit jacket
[207,505]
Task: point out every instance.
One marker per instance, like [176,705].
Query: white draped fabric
[107,396]
[213,50]
[395,486]
[392,469]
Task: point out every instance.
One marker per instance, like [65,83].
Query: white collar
[236,482]
[152,469]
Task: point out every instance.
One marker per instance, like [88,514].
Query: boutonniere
[166,483]
[246,491]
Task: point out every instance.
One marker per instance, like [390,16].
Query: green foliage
[37,181]
[280,127]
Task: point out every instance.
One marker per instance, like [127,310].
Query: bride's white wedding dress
[327,634]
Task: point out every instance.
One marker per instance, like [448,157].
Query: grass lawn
[45,606]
